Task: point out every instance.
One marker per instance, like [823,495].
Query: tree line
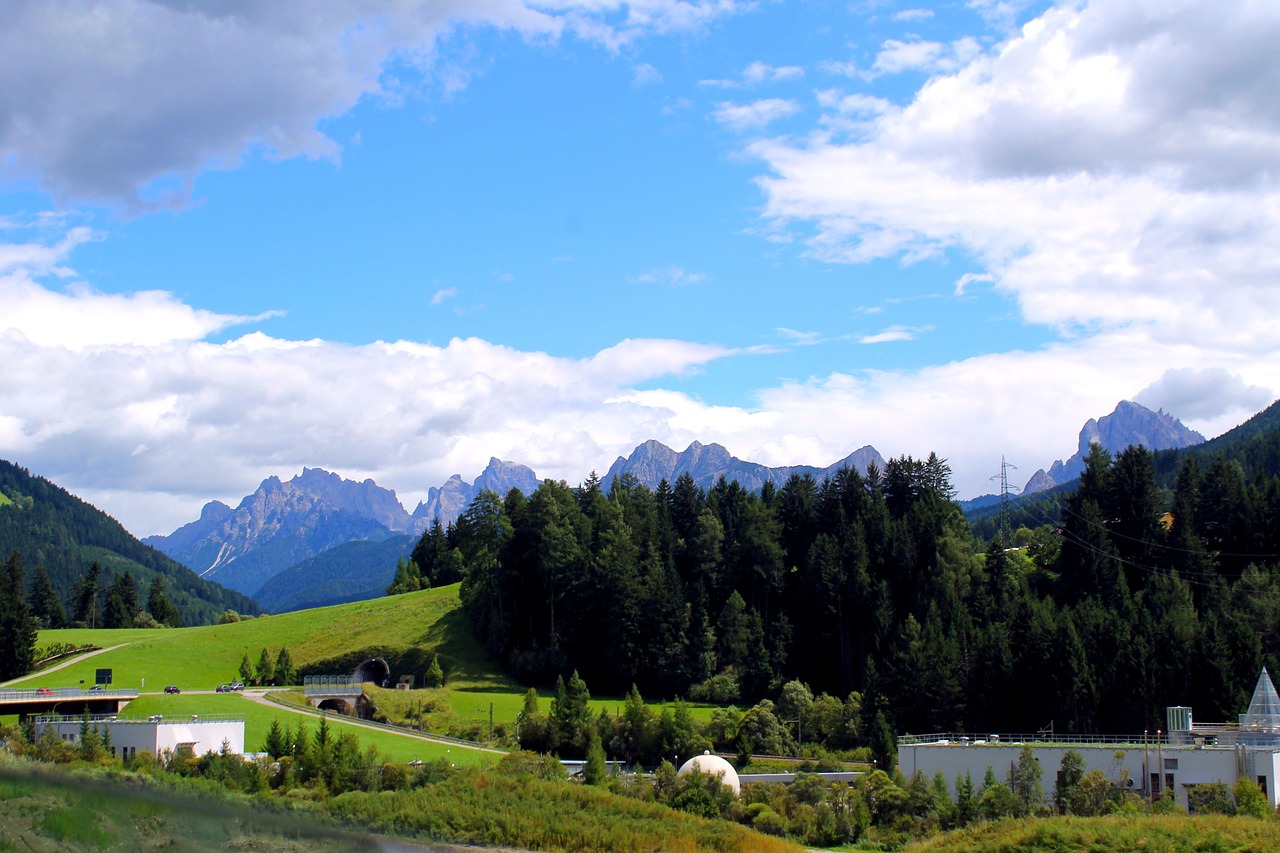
[1133,598]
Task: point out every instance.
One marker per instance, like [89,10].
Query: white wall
[156,735]
[1192,766]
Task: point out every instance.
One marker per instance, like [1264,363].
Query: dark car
[172,688]
[223,688]
[97,687]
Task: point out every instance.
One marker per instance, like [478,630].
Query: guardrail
[38,693]
[175,719]
[1003,739]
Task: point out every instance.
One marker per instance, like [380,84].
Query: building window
[1171,764]
[1262,783]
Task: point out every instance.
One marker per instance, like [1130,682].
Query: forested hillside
[53,529]
[876,584]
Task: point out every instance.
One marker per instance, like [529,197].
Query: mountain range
[302,542]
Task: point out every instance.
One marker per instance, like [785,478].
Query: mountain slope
[353,571]
[51,527]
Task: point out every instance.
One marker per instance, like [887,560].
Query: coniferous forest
[1130,598]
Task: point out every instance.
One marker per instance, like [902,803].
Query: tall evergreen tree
[159,606]
[17,626]
[45,604]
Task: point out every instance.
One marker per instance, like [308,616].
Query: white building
[154,734]
[1185,756]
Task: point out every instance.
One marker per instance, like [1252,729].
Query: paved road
[260,697]
[68,662]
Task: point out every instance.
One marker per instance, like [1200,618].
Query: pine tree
[434,676]
[159,606]
[285,672]
[86,597]
[17,626]
[266,668]
[45,604]
[596,770]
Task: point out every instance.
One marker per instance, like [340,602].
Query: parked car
[223,688]
[44,691]
[237,686]
[172,688]
[96,688]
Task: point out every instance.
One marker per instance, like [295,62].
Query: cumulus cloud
[1207,394]
[1112,165]
[128,101]
[755,115]
[897,56]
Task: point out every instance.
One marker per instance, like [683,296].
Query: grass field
[200,658]
[258,718]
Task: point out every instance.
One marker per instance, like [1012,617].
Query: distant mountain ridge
[652,462]
[1129,425]
[283,528]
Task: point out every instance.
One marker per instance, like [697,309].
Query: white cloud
[1204,394]
[761,72]
[443,295]
[799,338]
[645,74]
[128,101]
[892,334]
[757,73]
[913,15]
[672,276]
[1113,165]
[963,282]
[755,115]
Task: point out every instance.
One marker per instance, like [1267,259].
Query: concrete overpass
[71,701]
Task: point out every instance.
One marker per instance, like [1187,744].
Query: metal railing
[37,693]
[1016,739]
[176,719]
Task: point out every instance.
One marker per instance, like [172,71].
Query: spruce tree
[45,604]
[17,625]
[285,673]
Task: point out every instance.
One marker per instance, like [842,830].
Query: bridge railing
[175,719]
[331,685]
[27,694]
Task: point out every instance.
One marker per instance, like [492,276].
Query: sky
[395,238]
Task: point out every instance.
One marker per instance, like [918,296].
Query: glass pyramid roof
[1264,707]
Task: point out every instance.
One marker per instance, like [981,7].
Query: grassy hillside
[1114,834]
[46,810]
[200,658]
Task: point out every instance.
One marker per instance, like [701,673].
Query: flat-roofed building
[1152,763]
[155,734]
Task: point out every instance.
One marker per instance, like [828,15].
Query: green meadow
[201,658]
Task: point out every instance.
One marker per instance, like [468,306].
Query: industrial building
[156,734]
[1185,755]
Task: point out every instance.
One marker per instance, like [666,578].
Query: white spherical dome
[714,765]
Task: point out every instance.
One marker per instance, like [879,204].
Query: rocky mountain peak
[1129,425]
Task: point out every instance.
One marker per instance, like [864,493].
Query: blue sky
[395,239]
